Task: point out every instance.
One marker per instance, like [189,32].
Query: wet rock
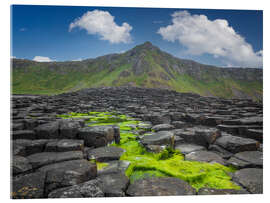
[187,148]
[23,134]
[20,165]
[97,136]
[159,138]
[162,127]
[40,159]
[160,187]
[205,156]
[48,130]
[211,191]
[251,179]
[103,154]
[64,145]
[113,185]
[154,148]
[87,189]
[237,144]
[28,186]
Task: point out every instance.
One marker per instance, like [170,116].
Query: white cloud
[42,59]
[102,23]
[79,59]
[201,35]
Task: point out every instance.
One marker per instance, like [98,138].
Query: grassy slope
[41,80]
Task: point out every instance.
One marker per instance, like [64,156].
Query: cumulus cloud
[201,35]
[42,59]
[102,24]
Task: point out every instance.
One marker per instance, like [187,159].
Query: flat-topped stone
[255,158]
[159,138]
[23,134]
[237,144]
[251,179]
[103,154]
[28,186]
[20,164]
[64,145]
[162,127]
[83,190]
[44,158]
[205,156]
[211,191]
[187,148]
[160,187]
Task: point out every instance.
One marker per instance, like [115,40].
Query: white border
[206,4]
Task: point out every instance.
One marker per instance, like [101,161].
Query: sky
[226,38]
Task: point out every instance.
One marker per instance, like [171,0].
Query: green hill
[143,66]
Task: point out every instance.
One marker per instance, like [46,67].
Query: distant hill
[143,66]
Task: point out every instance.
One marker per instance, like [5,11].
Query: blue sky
[61,33]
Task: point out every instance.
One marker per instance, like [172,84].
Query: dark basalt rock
[254,158]
[237,144]
[114,167]
[251,179]
[87,189]
[69,128]
[160,187]
[187,148]
[97,136]
[205,156]
[20,165]
[40,159]
[221,151]
[113,185]
[159,138]
[28,186]
[64,145]
[211,191]
[23,134]
[103,154]
[48,130]
[162,127]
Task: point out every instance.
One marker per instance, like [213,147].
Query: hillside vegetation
[143,66]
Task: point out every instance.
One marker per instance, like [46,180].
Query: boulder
[237,144]
[221,151]
[254,158]
[97,136]
[86,189]
[103,154]
[205,156]
[44,158]
[68,128]
[162,127]
[187,148]
[205,137]
[238,163]
[159,138]
[48,130]
[251,179]
[166,186]
[28,186]
[114,184]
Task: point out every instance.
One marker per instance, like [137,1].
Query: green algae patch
[100,165]
[168,163]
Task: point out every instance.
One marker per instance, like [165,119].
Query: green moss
[168,163]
